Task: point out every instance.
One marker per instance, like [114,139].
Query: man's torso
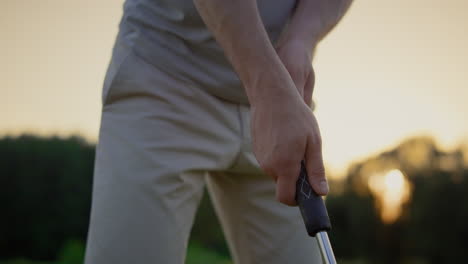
[171,35]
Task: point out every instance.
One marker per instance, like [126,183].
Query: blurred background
[391,93]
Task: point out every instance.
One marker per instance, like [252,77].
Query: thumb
[315,167]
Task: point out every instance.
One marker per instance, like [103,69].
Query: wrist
[265,78]
[297,43]
[272,89]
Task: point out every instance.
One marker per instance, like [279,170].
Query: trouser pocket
[120,56]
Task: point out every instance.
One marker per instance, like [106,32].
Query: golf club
[315,215]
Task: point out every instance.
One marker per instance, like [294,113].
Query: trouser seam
[241,135]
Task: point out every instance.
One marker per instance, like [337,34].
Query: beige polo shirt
[171,35]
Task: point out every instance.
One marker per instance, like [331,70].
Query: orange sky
[392,69]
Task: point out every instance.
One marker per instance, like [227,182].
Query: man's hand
[284,132]
[297,58]
[312,20]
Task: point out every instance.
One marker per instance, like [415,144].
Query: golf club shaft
[325,248]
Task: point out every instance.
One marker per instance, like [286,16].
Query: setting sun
[391,189]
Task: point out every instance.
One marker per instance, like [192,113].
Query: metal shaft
[325,248]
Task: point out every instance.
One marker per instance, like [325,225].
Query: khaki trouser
[162,139]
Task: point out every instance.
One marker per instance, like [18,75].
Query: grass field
[73,253]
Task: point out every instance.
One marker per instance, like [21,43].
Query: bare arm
[284,131]
[238,28]
[311,21]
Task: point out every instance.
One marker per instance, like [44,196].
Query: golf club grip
[312,207]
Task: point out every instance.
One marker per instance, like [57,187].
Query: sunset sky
[391,70]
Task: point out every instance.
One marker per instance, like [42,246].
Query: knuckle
[281,163]
[269,167]
[317,141]
[293,145]
[297,140]
[284,163]
[288,167]
[318,138]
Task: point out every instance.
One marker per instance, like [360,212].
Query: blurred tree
[354,225]
[432,228]
[438,217]
[45,194]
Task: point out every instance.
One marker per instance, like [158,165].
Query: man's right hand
[284,132]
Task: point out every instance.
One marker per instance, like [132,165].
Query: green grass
[197,254]
[73,253]
[24,261]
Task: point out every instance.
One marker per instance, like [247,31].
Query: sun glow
[392,190]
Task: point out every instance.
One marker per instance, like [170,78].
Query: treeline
[45,194]
[433,226]
[45,201]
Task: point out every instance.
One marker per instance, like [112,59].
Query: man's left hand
[297,58]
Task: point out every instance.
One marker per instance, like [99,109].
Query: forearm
[239,30]
[284,131]
[313,19]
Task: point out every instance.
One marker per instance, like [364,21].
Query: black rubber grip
[312,207]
